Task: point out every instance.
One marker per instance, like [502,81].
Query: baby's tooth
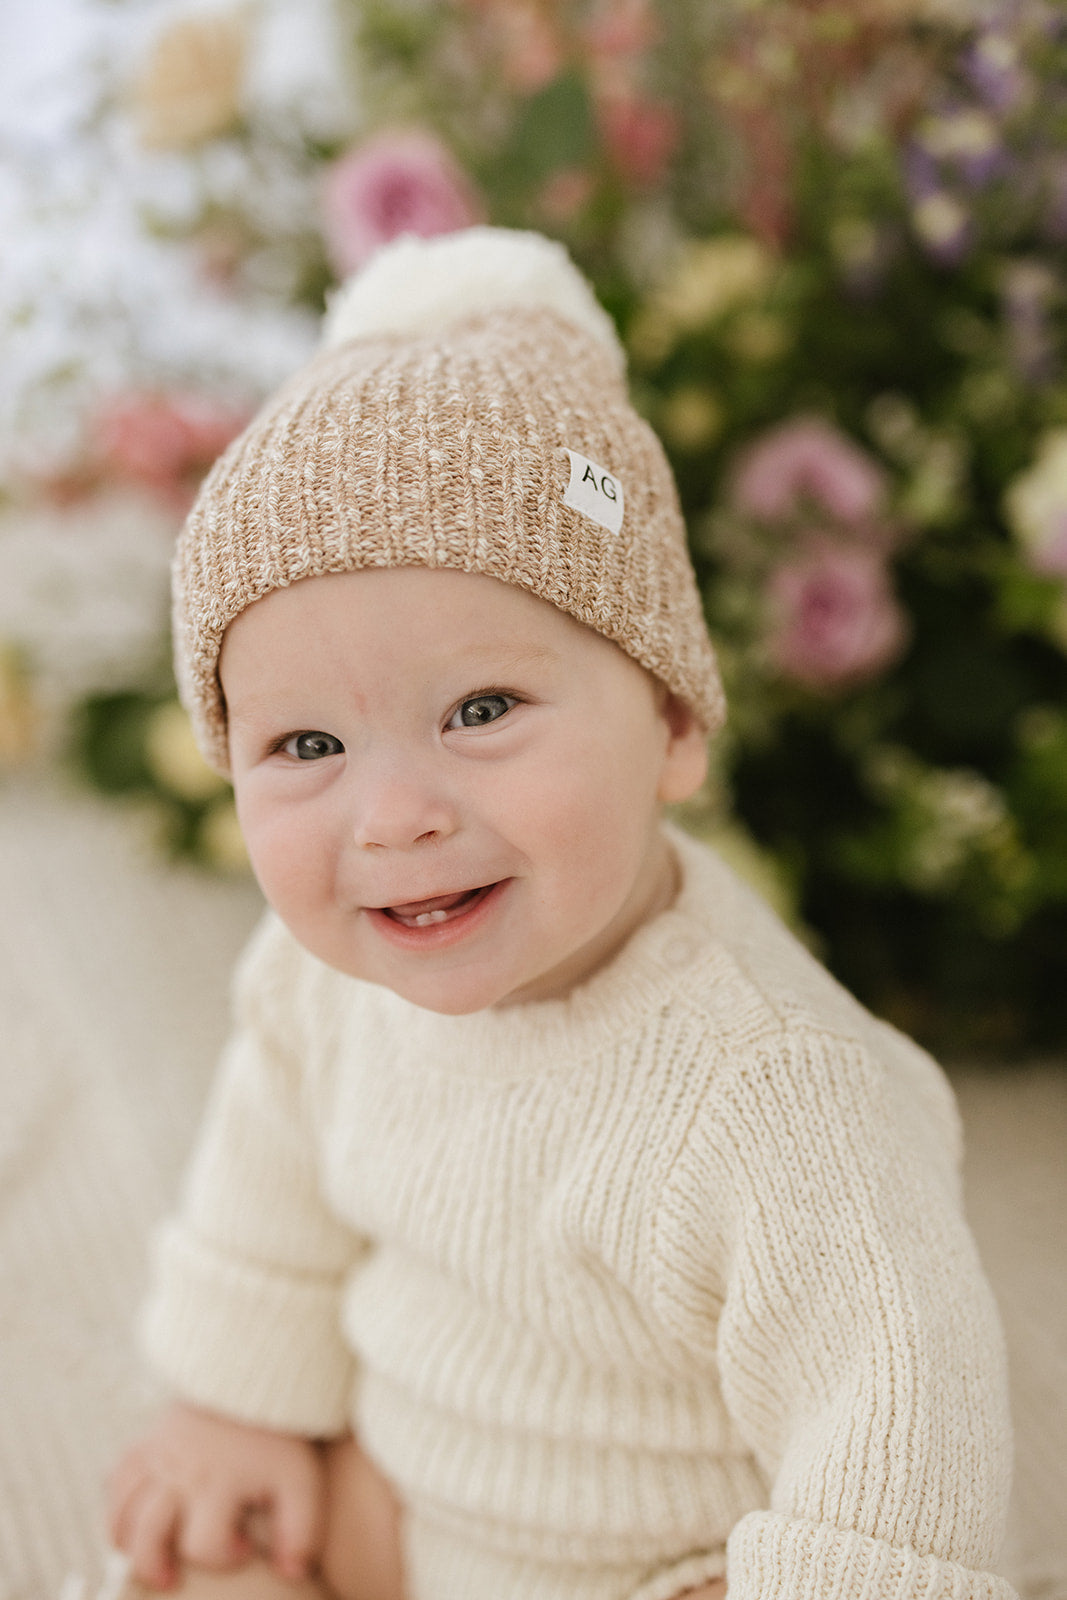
[424,918]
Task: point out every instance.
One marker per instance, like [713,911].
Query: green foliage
[553,131]
[108,742]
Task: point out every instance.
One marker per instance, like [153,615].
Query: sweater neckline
[512,1041]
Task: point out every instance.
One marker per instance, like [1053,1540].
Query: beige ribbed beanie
[468,410]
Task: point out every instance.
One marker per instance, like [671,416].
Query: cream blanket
[113,980]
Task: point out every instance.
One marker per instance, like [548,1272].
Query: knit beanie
[467,409]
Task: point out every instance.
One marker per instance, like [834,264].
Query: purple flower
[922,174]
[991,65]
[1028,293]
[956,143]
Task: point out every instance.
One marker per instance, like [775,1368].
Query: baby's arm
[857,1342]
[186,1491]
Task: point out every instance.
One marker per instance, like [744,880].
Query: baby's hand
[186,1492]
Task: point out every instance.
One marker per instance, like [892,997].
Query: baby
[559,1230]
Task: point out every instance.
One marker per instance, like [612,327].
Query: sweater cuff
[773,1557]
[682,1576]
[246,1341]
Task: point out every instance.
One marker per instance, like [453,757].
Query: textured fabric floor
[113,978]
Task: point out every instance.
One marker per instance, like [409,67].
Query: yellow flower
[758,336]
[692,417]
[650,336]
[189,89]
[221,841]
[711,277]
[933,491]
[174,759]
[989,397]
[855,243]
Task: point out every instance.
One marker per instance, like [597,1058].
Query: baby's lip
[428,918]
[435,908]
[440,902]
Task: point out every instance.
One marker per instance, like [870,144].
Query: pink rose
[834,618]
[521,40]
[806,460]
[394,184]
[565,193]
[164,441]
[530,44]
[625,28]
[640,136]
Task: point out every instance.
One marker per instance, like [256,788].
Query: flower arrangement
[833,236]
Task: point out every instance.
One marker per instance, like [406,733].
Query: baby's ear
[685,759]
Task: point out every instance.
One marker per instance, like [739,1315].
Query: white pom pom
[419,285]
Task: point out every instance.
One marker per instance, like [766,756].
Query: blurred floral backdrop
[834,236]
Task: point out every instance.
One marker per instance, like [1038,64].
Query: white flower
[299,72]
[83,592]
[93,297]
[1036,505]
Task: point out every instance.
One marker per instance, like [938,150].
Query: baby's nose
[398,809]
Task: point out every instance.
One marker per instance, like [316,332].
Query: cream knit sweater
[604,1282]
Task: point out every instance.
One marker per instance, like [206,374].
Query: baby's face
[448,786]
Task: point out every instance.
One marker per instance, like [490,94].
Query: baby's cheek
[285,862]
[592,847]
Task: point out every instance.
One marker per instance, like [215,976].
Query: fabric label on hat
[595,492]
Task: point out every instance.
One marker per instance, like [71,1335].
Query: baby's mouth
[442,908]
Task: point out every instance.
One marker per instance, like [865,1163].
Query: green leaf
[109,742]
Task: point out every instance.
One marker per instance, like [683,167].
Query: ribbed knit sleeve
[858,1347]
[244,1313]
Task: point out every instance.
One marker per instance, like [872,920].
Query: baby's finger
[121,1511]
[212,1535]
[152,1537]
[129,1516]
[297,1525]
[125,1482]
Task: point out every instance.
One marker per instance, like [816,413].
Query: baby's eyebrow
[514,655]
[495,660]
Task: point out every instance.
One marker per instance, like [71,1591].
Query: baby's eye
[480,709]
[312,746]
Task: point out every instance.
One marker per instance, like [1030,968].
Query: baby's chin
[457,1000]
[468,989]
